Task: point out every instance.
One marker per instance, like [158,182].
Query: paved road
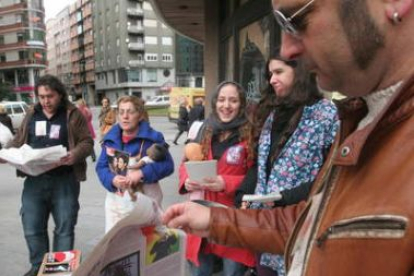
[13,252]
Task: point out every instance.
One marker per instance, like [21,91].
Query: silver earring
[396,18]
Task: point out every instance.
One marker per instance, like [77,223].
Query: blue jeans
[44,195]
[230,267]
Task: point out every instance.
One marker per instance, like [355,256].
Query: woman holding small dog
[131,135]
[226,135]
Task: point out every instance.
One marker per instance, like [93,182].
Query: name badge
[40,128]
[234,155]
[54,132]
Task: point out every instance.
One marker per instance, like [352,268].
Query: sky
[53,7]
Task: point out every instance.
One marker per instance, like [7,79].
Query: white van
[158,101]
[16,111]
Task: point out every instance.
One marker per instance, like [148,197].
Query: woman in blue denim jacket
[131,136]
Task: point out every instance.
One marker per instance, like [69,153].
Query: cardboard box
[60,263]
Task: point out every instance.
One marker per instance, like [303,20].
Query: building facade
[82,51]
[237,36]
[134,51]
[58,48]
[22,45]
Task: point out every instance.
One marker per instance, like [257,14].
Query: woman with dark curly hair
[226,135]
[293,132]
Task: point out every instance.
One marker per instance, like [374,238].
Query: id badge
[54,131]
[40,128]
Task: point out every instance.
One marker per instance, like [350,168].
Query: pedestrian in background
[84,109]
[52,121]
[196,112]
[107,117]
[182,119]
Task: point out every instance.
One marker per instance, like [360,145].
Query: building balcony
[88,39]
[136,46]
[87,11]
[90,66]
[22,63]
[74,44]
[76,80]
[13,8]
[88,53]
[136,63]
[75,69]
[135,12]
[12,27]
[13,46]
[90,77]
[87,25]
[135,29]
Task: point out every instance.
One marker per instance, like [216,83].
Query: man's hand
[68,160]
[189,216]
[2,161]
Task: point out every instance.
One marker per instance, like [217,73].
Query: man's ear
[399,7]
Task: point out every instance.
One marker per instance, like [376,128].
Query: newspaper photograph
[138,245]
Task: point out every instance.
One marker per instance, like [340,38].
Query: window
[151,57]
[117,42]
[134,75]
[150,23]
[2,57]
[1,40]
[147,6]
[167,57]
[166,40]
[151,75]
[79,29]
[151,40]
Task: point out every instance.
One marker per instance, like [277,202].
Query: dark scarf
[218,127]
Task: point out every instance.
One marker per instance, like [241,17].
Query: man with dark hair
[359,219]
[196,112]
[51,122]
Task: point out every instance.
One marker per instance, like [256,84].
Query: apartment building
[134,51]
[82,50]
[22,45]
[58,49]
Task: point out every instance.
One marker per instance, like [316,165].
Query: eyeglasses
[130,112]
[285,23]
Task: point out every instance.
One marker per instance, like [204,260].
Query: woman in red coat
[224,136]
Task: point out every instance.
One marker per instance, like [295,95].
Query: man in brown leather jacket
[359,219]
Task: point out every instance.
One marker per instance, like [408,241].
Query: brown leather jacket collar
[351,111]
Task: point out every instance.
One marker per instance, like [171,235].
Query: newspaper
[34,161]
[138,245]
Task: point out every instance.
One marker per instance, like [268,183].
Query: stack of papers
[34,161]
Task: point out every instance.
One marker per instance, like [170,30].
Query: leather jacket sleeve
[257,230]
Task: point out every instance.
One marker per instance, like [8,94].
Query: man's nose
[292,47]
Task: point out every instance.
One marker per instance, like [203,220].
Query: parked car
[158,101]
[16,111]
